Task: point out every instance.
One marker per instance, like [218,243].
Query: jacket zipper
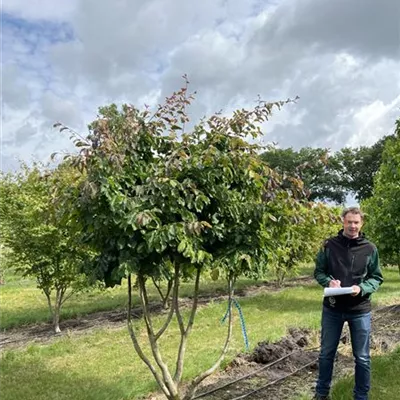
[352,264]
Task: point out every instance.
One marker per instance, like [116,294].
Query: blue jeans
[360,328]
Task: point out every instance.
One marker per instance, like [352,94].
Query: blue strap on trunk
[242,323]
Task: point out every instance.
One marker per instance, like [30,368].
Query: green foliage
[359,166]
[330,176]
[152,200]
[319,171]
[383,208]
[298,236]
[38,243]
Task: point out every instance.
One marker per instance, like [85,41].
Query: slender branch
[176,301]
[169,287]
[68,296]
[61,298]
[195,301]
[158,289]
[153,343]
[48,296]
[196,381]
[145,303]
[136,344]
[170,314]
[185,335]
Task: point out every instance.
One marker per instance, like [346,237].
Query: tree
[39,243]
[320,171]
[383,208]
[330,176]
[153,203]
[295,240]
[359,166]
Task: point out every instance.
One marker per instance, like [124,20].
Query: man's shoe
[319,397]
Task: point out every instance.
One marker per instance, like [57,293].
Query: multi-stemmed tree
[158,200]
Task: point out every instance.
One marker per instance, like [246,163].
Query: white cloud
[39,9]
[373,121]
[63,59]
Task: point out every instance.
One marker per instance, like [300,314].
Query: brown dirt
[43,332]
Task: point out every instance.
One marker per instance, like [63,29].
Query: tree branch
[196,381]
[136,344]
[48,296]
[170,314]
[176,301]
[158,289]
[68,296]
[184,336]
[153,343]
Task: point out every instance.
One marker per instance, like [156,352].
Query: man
[347,260]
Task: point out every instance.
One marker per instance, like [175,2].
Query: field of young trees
[165,259]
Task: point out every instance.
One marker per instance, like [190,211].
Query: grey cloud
[135,39]
[54,108]
[367,28]
[25,133]
[298,52]
[14,93]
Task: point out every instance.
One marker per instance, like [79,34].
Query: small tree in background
[39,243]
[154,203]
[298,235]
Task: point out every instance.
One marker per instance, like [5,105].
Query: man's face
[352,224]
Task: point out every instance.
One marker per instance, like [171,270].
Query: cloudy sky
[62,59]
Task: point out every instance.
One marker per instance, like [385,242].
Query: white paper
[337,291]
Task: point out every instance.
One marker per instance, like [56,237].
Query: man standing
[347,260]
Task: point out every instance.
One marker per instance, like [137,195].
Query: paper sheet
[337,291]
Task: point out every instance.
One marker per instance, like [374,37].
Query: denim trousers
[360,328]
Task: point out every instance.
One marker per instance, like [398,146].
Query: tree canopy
[383,208]
[330,176]
[39,243]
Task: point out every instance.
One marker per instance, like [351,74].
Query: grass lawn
[385,379]
[103,364]
[23,303]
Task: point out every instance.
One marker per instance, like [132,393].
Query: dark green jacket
[353,262]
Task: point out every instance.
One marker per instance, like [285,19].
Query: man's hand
[356,290]
[334,283]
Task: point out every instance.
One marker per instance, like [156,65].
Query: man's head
[353,219]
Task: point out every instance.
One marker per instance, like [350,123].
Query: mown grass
[384,380]
[103,365]
[23,303]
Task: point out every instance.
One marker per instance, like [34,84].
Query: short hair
[352,210]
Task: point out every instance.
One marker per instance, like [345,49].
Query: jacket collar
[352,242]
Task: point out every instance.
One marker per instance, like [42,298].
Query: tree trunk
[57,309]
[48,297]
[170,392]
[56,320]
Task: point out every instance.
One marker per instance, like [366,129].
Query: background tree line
[331,176]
